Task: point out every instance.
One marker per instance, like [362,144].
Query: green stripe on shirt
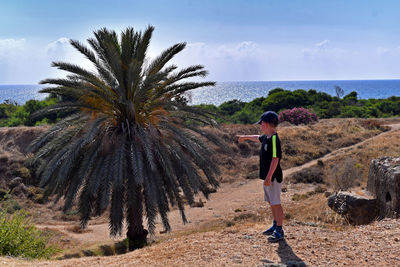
[274,146]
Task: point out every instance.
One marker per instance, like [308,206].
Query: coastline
[241,90]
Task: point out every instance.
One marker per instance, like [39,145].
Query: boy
[270,170]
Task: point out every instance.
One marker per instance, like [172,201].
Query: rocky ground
[377,244]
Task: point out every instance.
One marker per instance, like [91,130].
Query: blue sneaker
[269,231]
[276,236]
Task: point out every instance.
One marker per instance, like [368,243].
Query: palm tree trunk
[136,234]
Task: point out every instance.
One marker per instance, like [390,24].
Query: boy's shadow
[287,255]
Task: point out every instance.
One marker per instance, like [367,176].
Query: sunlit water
[245,91]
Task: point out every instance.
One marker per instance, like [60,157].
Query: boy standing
[270,170]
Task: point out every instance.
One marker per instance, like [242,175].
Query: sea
[244,91]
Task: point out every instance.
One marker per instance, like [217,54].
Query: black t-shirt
[270,148]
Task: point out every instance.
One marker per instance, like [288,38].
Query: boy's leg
[273,210]
[277,211]
[271,230]
[278,234]
[275,202]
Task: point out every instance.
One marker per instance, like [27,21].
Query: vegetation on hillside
[12,114]
[324,105]
[128,143]
[235,111]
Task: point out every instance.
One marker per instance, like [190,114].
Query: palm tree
[131,142]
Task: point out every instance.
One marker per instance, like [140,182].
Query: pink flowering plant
[298,116]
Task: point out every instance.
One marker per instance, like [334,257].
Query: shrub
[13,114]
[19,237]
[10,205]
[285,99]
[310,175]
[345,176]
[298,116]
[232,106]
[351,97]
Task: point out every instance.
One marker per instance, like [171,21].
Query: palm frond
[116,212]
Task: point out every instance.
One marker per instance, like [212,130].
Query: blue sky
[235,40]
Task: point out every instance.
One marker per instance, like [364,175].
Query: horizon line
[389,79]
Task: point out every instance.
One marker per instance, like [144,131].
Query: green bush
[10,205]
[20,238]
[232,106]
[351,97]
[12,114]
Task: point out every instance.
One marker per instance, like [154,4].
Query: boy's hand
[267,182]
[241,138]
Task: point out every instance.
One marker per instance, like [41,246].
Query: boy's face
[265,127]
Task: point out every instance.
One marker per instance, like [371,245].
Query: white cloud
[12,58]
[249,60]
[322,44]
[24,61]
[11,44]
[11,47]
[62,50]
[224,61]
[388,52]
[382,51]
[322,52]
[196,45]
[58,46]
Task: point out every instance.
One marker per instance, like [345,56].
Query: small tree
[339,91]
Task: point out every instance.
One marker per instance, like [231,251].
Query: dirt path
[244,195]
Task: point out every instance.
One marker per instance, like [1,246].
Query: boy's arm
[254,138]
[272,168]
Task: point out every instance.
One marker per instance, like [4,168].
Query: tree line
[323,104]
[236,111]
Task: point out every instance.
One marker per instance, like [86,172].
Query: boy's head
[270,119]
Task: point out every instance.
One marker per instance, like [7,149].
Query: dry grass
[300,144]
[314,209]
[13,142]
[386,145]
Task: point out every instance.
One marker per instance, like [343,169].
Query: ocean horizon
[242,90]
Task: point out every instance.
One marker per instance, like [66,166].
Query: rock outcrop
[355,208]
[384,183]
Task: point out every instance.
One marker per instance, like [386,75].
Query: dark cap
[270,117]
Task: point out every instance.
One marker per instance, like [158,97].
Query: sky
[236,40]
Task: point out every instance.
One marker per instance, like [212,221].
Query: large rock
[355,208]
[384,184]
